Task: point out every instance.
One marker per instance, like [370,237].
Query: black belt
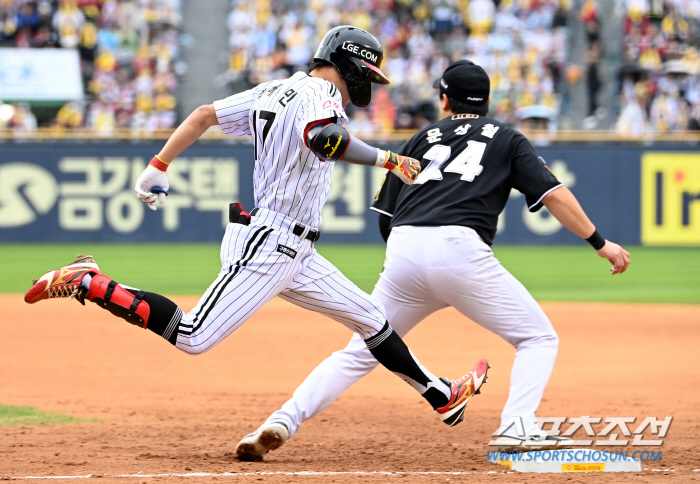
[312,235]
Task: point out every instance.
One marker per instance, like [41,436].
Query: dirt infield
[165,412]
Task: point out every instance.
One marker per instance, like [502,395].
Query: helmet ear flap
[361,93]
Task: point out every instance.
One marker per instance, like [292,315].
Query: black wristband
[596,240]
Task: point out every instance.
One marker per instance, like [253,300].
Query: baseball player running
[448,215]
[296,126]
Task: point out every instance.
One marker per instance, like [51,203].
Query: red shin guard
[118,301]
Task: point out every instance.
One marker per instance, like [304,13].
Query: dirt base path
[165,412]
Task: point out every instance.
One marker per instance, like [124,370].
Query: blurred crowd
[522,44]
[128,51]
[129,54]
[659,79]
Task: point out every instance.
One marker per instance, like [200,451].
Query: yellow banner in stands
[671,198]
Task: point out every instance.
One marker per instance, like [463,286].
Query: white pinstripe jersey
[288,177]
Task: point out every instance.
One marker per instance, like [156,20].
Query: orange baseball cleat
[63,282]
[462,390]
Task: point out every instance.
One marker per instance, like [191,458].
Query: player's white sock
[86,281]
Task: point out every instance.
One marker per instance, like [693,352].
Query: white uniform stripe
[376,342]
[173,324]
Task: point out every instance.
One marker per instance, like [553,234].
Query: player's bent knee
[550,338]
[555,339]
[194,344]
[192,351]
[376,316]
[547,340]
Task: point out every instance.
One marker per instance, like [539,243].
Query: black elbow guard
[328,141]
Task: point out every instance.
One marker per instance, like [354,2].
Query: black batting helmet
[357,55]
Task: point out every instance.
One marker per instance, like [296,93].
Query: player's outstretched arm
[566,209]
[330,141]
[187,133]
[191,129]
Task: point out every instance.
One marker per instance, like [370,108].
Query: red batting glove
[407,169]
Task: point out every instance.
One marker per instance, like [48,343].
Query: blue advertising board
[73,191]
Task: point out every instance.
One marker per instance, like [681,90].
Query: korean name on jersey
[469,165]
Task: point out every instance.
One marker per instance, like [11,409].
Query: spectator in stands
[668,111]
[694,117]
[67,21]
[591,21]
[121,43]
[522,44]
[27,24]
[633,118]
[70,116]
[101,118]
[23,120]
[659,42]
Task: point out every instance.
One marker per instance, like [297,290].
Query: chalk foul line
[283,473]
[278,473]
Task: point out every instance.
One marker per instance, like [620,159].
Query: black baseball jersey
[468,166]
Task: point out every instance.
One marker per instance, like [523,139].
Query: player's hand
[618,257]
[151,177]
[407,169]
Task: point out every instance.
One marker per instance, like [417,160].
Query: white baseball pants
[265,259]
[428,269]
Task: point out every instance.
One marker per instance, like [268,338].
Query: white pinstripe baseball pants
[455,268]
[265,259]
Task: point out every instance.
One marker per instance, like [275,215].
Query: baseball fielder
[448,215]
[296,126]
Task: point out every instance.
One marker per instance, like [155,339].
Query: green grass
[10,416]
[551,273]
[572,273]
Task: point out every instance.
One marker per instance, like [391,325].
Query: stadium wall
[77,191]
